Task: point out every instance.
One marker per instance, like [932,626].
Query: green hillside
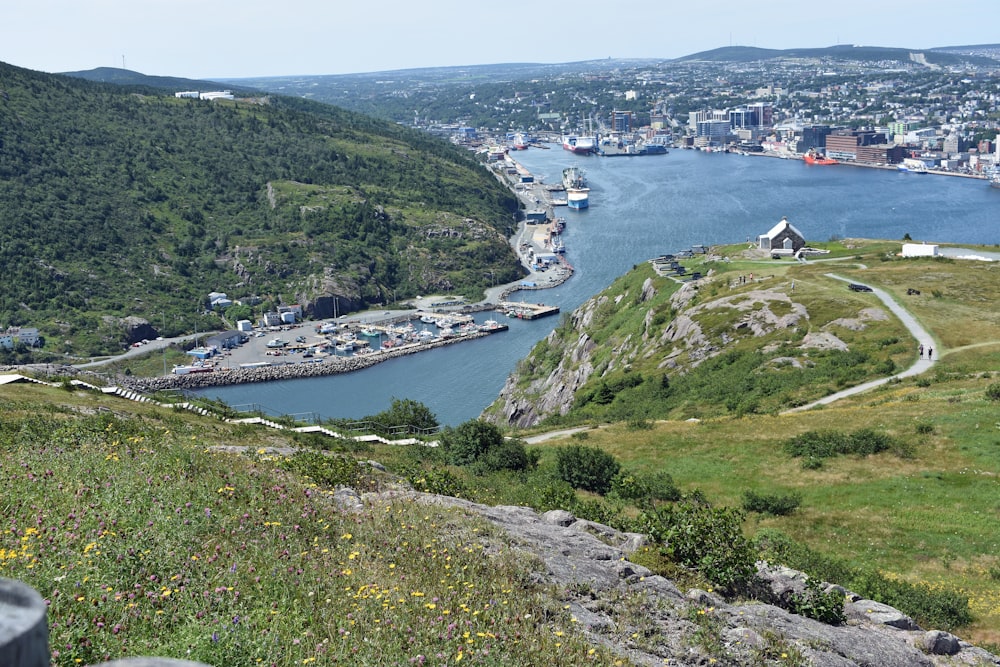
[130,202]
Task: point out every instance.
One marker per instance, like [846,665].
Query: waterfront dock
[526,311]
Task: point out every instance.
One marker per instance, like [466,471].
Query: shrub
[993,392]
[709,540]
[825,607]
[824,444]
[634,486]
[508,455]
[466,443]
[588,468]
[777,504]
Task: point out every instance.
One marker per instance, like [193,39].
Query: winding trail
[922,336]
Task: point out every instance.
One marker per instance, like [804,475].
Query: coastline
[493,297]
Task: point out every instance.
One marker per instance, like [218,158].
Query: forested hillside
[120,202]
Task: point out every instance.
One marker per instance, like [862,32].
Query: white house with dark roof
[783,236]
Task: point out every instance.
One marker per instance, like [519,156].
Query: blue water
[641,207]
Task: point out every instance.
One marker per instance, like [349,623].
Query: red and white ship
[579,145]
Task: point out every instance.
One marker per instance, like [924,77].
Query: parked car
[857,287]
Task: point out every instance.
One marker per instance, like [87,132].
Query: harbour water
[641,207]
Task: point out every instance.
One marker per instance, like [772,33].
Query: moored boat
[995,181]
[812,157]
[573,177]
[578,198]
[579,145]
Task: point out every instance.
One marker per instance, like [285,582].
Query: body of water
[641,207]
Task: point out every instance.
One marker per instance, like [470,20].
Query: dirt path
[922,337]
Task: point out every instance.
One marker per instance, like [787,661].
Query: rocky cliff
[648,620]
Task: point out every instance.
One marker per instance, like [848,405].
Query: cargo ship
[579,145]
[520,142]
[812,157]
[573,177]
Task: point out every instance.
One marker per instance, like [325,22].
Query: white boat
[579,145]
[578,198]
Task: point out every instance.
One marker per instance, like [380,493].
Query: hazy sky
[226,38]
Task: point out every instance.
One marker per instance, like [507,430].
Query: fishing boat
[370,332]
[579,145]
[812,157]
[995,181]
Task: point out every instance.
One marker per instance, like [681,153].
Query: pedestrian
[921,350]
[930,352]
[793,285]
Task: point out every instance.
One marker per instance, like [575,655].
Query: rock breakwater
[288,371]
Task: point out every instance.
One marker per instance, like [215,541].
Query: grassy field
[927,512]
[144,542]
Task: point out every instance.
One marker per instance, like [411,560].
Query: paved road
[916,330]
[151,346]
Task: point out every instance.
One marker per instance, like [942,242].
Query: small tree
[407,412]
[587,468]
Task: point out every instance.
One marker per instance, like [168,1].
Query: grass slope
[130,202]
[143,542]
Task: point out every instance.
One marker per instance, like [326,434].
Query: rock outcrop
[648,620]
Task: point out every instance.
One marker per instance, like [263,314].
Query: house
[25,335]
[219,300]
[271,319]
[225,340]
[783,236]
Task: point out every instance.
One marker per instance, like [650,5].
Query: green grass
[145,543]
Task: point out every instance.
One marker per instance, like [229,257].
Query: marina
[639,210]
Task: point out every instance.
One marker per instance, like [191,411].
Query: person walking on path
[921,350]
[930,352]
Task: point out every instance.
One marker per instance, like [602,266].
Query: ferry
[579,145]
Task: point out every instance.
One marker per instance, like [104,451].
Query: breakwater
[328,366]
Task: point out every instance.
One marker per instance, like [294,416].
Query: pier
[526,311]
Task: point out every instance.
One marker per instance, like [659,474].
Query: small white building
[217,95]
[783,236]
[244,326]
[187,94]
[920,250]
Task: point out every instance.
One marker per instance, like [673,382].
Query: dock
[526,311]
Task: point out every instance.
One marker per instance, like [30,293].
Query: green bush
[993,392]
[825,607]
[466,443]
[824,444]
[777,504]
[706,539]
[508,455]
[633,486]
[588,468]
[929,607]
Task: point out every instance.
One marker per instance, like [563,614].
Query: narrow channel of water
[641,207]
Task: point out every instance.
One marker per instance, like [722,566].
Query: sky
[202,39]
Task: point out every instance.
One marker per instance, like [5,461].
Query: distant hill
[125,77]
[124,201]
[843,52]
